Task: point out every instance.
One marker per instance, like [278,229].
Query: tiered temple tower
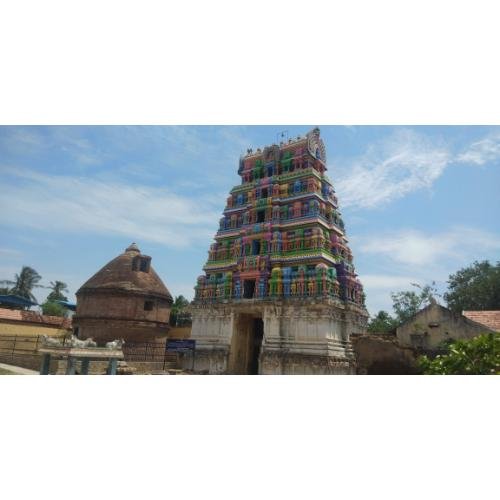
[279,294]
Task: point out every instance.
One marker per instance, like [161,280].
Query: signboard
[181,345]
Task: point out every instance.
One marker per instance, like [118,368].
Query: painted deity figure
[236,248]
[237,289]
[262,287]
[286,281]
[310,287]
[262,263]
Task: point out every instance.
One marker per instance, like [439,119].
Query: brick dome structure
[125,299]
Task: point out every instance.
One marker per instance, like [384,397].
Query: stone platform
[75,354]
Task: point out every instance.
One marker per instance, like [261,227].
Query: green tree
[382,322]
[57,287]
[53,309]
[406,304]
[179,304]
[477,356]
[476,287]
[24,282]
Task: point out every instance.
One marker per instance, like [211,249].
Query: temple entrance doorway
[246,345]
[248,289]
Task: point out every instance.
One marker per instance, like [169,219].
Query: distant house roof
[463,317]
[34,317]
[16,301]
[490,319]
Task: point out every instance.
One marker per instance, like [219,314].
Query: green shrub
[477,356]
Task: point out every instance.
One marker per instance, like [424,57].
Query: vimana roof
[129,272]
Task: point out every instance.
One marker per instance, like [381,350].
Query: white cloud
[8,252]
[481,152]
[78,204]
[410,256]
[390,169]
[414,248]
[378,288]
[385,281]
[403,163]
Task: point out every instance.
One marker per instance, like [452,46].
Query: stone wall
[382,355]
[28,329]
[106,316]
[122,306]
[30,361]
[179,332]
[107,329]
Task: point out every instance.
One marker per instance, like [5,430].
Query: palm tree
[57,287]
[179,304]
[24,282]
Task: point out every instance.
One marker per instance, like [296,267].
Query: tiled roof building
[490,319]
[17,322]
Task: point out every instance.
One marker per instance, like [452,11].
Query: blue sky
[418,202]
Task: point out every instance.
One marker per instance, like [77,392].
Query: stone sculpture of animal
[75,342]
[90,342]
[115,344]
[51,341]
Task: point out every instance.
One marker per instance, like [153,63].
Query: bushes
[476,356]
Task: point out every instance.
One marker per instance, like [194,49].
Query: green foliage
[53,309]
[57,287]
[477,356]
[24,282]
[474,288]
[407,304]
[180,303]
[382,322]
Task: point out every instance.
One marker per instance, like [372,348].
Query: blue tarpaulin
[67,305]
[16,301]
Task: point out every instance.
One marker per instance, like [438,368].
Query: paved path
[17,370]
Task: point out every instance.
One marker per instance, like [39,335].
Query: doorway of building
[248,289]
[255,346]
[246,345]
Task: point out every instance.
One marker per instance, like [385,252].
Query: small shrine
[126,298]
[279,293]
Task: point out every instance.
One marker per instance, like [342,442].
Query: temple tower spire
[279,293]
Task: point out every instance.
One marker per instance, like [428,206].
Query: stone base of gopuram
[293,337]
[294,363]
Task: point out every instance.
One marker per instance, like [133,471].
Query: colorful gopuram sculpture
[279,293]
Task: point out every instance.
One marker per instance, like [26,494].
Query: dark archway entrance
[256,344]
[248,289]
[246,345]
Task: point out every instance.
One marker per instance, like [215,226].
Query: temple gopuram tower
[279,294]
